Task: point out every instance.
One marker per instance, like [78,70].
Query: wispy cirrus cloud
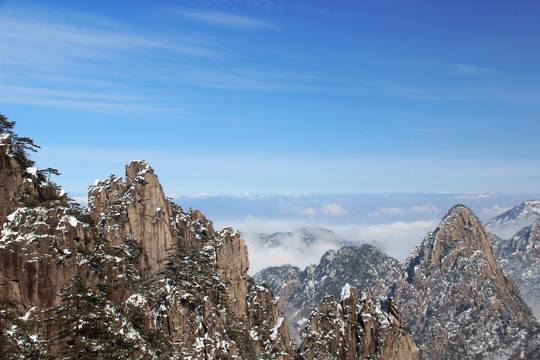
[471,69]
[333,209]
[56,40]
[57,56]
[98,101]
[226,19]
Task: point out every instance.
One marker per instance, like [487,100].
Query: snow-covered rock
[510,222]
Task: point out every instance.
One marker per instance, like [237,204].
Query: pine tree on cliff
[17,337]
[20,145]
[87,326]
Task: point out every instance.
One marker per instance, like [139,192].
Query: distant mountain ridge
[511,221]
[307,236]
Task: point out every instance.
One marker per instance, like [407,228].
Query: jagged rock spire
[134,209]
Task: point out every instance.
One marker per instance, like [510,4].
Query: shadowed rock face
[356,328]
[457,300]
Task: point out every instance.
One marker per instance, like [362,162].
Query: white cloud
[390,211]
[475,196]
[81,200]
[332,209]
[191,196]
[397,239]
[300,210]
[226,19]
[427,208]
[294,252]
[495,210]
[471,69]
[398,211]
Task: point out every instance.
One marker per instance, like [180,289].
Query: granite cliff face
[39,245]
[134,209]
[168,284]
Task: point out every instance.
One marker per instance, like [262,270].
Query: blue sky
[274,97]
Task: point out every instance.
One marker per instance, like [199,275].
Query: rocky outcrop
[40,241]
[207,314]
[458,302]
[356,329]
[19,186]
[520,258]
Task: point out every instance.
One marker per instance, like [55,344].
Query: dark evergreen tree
[18,338]
[50,171]
[19,145]
[86,326]
[6,126]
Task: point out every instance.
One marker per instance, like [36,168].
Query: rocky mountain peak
[137,169]
[363,267]
[526,241]
[457,299]
[459,235]
[10,177]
